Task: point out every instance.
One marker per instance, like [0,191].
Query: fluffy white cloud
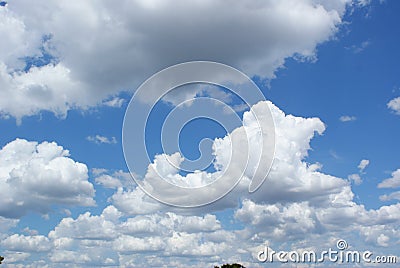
[15,257]
[165,224]
[290,178]
[116,46]
[394,105]
[36,243]
[34,176]
[85,226]
[108,239]
[134,201]
[297,203]
[392,182]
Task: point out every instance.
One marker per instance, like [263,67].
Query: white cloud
[34,176]
[298,203]
[108,181]
[130,244]
[107,236]
[379,235]
[383,240]
[27,230]
[394,105]
[21,243]
[363,2]
[101,139]
[347,118]
[5,225]
[112,180]
[290,177]
[355,178]
[135,201]
[392,182]
[363,164]
[391,196]
[116,46]
[15,257]
[114,102]
[281,222]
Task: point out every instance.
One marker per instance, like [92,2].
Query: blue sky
[328,67]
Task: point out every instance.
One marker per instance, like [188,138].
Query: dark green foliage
[235,265]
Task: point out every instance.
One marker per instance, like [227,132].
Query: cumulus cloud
[21,243]
[298,203]
[394,105]
[290,178]
[101,239]
[85,226]
[393,182]
[116,46]
[134,201]
[34,176]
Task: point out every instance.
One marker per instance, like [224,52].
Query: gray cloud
[108,47]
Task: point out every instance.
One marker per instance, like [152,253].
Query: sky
[328,74]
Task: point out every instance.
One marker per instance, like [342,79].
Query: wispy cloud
[359,48]
[363,164]
[115,102]
[101,139]
[392,196]
[347,118]
[334,154]
[355,178]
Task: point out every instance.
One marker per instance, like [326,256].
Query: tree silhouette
[234,265]
[1,259]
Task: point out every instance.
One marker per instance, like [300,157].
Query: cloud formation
[298,203]
[363,164]
[114,47]
[347,118]
[392,182]
[35,176]
[394,105]
[101,139]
